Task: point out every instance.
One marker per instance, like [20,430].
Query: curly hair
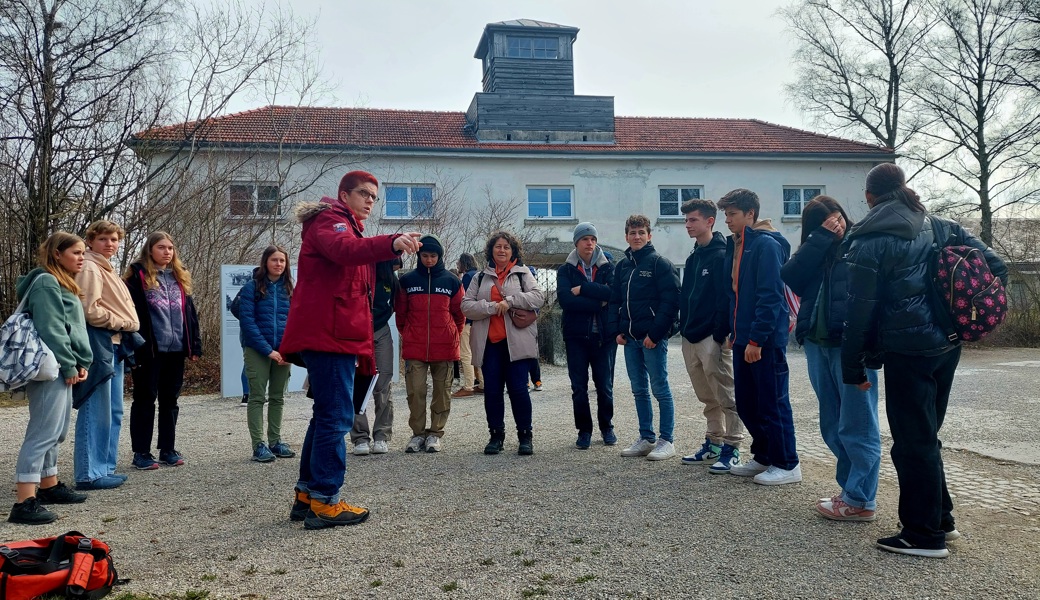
[518,252]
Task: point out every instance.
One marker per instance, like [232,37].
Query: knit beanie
[430,243]
[583,229]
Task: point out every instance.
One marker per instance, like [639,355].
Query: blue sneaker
[609,437]
[144,461]
[171,458]
[584,440]
[728,458]
[282,450]
[262,453]
[101,483]
[708,454]
[122,476]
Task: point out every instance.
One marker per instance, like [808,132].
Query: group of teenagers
[97,324]
[866,304]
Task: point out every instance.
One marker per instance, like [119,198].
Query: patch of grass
[585,578]
[108,519]
[517,552]
[596,552]
[527,562]
[577,541]
[487,562]
[376,583]
[369,570]
[209,577]
[280,571]
[450,587]
[399,563]
[232,557]
[532,592]
[577,559]
[547,576]
[251,570]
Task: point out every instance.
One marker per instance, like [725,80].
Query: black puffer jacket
[590,306]
[890,299]
[644,300]
[703,307]
[818,261]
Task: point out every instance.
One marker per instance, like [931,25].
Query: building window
[673,197]
[549,202]
[255,199]
[408,201]
[532,47]
[795,198]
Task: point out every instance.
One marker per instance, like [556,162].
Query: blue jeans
[98,423]
[499,371]
[650,363]
[848,424]
[323,459]
[584,355]
[764,405]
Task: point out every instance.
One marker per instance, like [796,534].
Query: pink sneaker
[836,510]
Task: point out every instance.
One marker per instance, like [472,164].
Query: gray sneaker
[380,447]
[640,447]
[415,444]
[362,448]
[433,443]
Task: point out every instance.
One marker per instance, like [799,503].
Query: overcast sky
[681,58]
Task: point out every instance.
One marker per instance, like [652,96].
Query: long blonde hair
[181,274]
[56,244]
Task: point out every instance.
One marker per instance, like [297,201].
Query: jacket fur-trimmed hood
[306,211]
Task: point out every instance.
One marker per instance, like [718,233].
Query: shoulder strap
[519,278]
[25,298]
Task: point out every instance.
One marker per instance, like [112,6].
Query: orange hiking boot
[301,504]
[323,515]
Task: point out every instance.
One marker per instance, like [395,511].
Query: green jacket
[58,316]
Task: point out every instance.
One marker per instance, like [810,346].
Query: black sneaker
[900,545]
[245,401]
[30,512]
[60,494]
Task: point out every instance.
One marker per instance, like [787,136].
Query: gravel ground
[564,523]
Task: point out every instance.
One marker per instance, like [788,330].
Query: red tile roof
[367,128]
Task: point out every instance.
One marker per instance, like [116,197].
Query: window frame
[255,199]
[409,200]
[678,216]
[532,49]
[820,189]
[549,202]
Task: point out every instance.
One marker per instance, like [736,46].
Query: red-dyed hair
[355,178]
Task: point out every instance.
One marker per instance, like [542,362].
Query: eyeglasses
[367,195]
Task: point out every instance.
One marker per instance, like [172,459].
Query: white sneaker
[749,469]
[415,444]
[662,450]
[380,447]
[433,443]
[362,449]
[641,447]
[778,476]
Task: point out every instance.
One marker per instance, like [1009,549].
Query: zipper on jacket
[429,310]
[628,296]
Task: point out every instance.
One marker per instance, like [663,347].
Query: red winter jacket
[429,314]
[331,309]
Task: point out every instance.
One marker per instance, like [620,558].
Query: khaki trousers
[440,405]
[710,368]
[466,358]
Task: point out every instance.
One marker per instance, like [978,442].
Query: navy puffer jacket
[262,317]
[818,261]
[890,294]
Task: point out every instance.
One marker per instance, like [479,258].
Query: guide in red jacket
[330,327]
[429,316]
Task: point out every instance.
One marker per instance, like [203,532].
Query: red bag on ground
[70,564]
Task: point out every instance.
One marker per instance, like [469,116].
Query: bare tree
[854,60]
[985,118]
